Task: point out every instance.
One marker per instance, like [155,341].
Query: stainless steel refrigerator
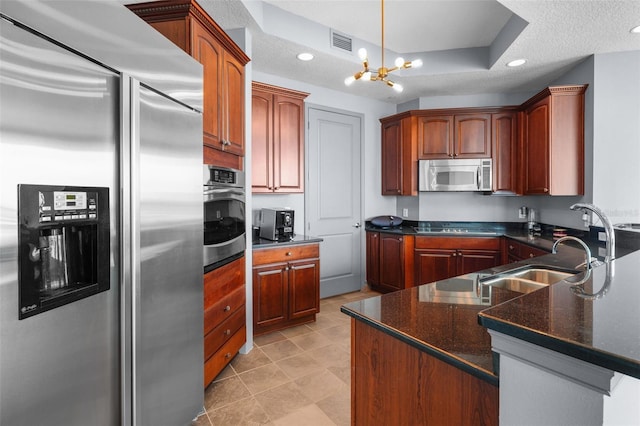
[131,352]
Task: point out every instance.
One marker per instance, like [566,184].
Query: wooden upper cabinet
[472,136]
[185,23]
[505,149]
[446,136]
[277,137]
[399,157]
[436,137]
[553,141]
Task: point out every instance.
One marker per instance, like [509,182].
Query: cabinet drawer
[214,365]
[219,335]
[222,281]
[527,252]
[457,243]
[223,309]
[513,249]
[284,254]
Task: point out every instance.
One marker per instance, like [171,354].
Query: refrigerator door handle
[130,244]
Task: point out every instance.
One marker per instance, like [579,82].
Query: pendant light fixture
[381,74]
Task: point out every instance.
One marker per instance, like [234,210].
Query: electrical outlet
[405,212]
[602,236]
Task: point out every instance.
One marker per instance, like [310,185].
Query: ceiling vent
[341,41]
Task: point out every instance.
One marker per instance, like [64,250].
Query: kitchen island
[419,356]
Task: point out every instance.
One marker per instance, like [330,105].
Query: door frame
[361,117]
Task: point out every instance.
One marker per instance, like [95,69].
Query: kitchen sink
[526,280]
[515,284]
[540,275]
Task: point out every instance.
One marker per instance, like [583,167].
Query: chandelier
[381,73]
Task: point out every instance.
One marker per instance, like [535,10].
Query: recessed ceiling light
[516,63]
[305,56]
[636,30]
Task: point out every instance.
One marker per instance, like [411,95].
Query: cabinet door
[392,158]
[477,260]
[207,51]
[373,258]
[261,142]
[304,288]
[288,140]
[233,104]
[504,134]
[536,148]
[472,136]
[435,137]
[391,261]
[434,265]
[270,292]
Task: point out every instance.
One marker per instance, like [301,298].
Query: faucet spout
[608,228]
[587,251]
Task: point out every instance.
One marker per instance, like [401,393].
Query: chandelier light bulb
[349,80]
[398,87]
[362,54]
[366,76]
[417,63]
[399,62]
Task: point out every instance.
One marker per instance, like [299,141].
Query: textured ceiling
[464,44]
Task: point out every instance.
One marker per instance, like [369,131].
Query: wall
[616,131]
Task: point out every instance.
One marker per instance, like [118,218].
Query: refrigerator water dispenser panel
[63,245]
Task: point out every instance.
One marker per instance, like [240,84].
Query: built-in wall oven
[224,216]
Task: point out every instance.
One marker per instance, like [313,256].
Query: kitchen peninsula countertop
[603,331]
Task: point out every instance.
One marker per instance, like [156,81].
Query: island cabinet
[399,156]
[439,258]
[224,316]
[553,141]
[389,261]
[286,286]
[515,251]
[454,135]
[394,383]
[277,137]
[185,23]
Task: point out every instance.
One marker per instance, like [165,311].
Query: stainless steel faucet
[587,251]
[608,228]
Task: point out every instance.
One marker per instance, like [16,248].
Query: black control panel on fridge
[63,245]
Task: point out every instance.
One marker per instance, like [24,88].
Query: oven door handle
[223,194]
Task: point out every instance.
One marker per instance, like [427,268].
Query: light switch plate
[405,212]
[602,236]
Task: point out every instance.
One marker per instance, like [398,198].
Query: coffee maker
[276,224]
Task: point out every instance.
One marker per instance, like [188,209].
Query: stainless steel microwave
[455,175]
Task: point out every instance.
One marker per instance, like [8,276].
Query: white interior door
[332,198]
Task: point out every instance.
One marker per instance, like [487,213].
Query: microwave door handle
[479,177]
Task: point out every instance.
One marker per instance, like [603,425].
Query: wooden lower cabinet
[224,317]
[439,258]
[393,383]
[515,251]
[389,257]
[286,287]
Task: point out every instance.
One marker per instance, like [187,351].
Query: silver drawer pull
[227,332]
[227,308]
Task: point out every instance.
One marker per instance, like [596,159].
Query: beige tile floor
[298,376]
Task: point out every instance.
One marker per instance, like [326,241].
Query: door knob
[357,225]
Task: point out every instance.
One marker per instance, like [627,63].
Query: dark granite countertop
[259,243]
[442,318]
[604,331]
